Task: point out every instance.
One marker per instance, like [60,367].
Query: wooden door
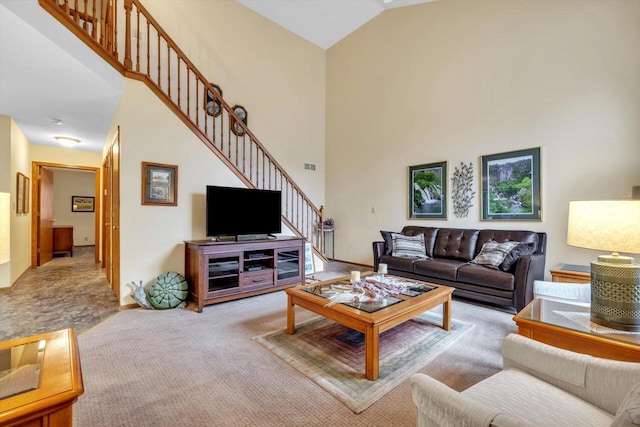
[45,216]
[106,222]
[115,215]
[111,216]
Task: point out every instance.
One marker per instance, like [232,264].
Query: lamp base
[615,293]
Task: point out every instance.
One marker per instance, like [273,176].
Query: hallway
[65,292]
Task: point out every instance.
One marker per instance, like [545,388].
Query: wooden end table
[47,400]
[569,273]
[369,318]
[551,322]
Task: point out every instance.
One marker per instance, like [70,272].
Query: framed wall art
[241,112]
[511,185]
[428,191]
[159,184]
[211,104]
[82,204]
[20,191]
[25,197]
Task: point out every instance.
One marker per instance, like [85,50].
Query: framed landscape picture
[82,204]
[159,184]
[428,191]
[511,185]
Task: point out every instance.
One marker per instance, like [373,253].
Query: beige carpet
[181,368]
[332,355]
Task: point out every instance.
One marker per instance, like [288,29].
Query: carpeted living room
[410,142]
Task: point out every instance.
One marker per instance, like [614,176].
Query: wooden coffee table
[370,318]
[566,326]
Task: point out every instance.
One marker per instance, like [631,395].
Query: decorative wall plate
[241,112]
[212,105]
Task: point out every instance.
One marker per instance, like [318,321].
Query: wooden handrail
[166,70]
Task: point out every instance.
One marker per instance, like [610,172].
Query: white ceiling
[323,22]
[47,74]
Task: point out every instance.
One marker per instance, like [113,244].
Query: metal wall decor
[241,112]
[462,192]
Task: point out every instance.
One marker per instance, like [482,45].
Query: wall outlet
[86,239]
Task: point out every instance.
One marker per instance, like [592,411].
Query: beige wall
[14,151]
[68,183]
[457,79]
[65,156]
[278,77]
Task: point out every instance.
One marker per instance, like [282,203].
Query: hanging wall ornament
[462,190]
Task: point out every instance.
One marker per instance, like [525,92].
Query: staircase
[124,33]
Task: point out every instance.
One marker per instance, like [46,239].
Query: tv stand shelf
[223,271]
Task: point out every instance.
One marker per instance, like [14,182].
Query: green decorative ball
[168,291]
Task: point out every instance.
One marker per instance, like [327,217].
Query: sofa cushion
[430,234]
[408,246]
[628,414]
[485,277]
[494,253]
[438,268]
[519,394]
[397,263]
[454,243]
[523,248]
[506,236]
[388,242]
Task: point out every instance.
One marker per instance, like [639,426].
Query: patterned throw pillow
[168,291]
[408,246]
[388,241]
[521,250]
[493,253]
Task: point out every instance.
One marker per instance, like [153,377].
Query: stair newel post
[128,5]
[320,227]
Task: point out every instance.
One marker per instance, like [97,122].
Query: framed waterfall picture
[428,191]
[511,185]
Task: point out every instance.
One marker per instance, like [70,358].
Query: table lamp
[610,225]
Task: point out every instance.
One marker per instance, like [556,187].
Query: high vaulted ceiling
[323,22]
[50,92]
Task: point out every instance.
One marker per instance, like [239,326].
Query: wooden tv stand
[223,271]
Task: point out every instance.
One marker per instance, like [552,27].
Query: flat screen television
[243,212]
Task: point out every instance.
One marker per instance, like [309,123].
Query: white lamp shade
[5,224]
[607,225]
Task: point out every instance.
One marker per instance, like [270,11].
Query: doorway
[41,205]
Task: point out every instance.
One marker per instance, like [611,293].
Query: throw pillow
[628,414]
[493,253]
[408,246]
[168,291]
[521,250]
[388,242]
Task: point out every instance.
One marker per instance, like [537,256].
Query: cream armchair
[539,386]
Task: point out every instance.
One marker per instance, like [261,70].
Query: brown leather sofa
[450,250]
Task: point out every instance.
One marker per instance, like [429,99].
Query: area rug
[332,355]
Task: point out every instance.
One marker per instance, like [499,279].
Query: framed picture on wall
[511,185]
[211,104]
[159,184]
[25,197]
[428,191]
[82,204]
[20,185]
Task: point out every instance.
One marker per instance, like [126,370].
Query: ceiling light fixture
[66,141]
[56,121]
